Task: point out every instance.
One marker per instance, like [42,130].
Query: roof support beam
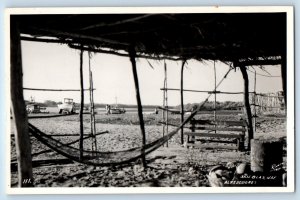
[260,62]
[132,54]
[247,107]
[56,33]
[181,98]
[81,106]
[124,54]
[116,23]
[283,77]
[22,139]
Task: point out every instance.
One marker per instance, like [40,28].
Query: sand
[168,166]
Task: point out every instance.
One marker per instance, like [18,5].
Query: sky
[56,66]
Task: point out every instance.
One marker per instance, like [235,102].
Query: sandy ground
[168,166]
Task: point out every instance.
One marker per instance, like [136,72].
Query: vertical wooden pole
[81,106]
[93,113]
[132,55]
[283,77]
[247,106]
[91,105]
[22,139]
[166,102]
[254,102]
[215,100]
[181,99]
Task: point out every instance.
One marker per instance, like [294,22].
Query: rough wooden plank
[132,55]
[219,128]
[18,108]
[212,146]
[81,106]
[201,91]
[247,107]
[55,90]
[181,100]
[228,123]
[216,135]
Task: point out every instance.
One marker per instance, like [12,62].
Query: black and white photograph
[150,100]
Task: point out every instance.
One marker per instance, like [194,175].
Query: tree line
[227,105]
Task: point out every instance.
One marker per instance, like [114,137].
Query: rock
[217,175]
[191,171]
[284,179]
[90,169]
[137,169]
[197,183]
[215,180]
[241,168]
[120,173]
[230,165]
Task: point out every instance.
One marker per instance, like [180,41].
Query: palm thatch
[253,38]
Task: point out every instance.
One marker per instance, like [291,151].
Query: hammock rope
[98,158]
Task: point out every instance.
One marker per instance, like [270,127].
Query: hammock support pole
[22,139]
[165,104]
[181,100]
[283,77]
[215,95]
[254,102]
[247,106]
[81,106]
[92,111]
[132,55]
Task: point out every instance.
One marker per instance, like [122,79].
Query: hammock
[97,158]
[106,158]
[110,158]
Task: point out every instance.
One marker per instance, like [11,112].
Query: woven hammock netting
[110,158]
[96,157]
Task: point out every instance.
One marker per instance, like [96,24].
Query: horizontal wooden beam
[215,135]
[169,110]
[200,91]
[48,116]
[212,146]
[225,122]
[79,36]
[34,39]
[218,128]
[117,22]
[260,62]
[55,90]
[98,50]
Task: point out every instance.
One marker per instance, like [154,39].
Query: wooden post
[247,107]
[164,103]
[181,99]
[81,106]
[91,105]
[93,113]
[22,139]
[265,153]
[283,77]
[166,114]
[132,55]
[254,102]
[215,94]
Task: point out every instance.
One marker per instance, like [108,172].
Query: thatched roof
[248,37]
